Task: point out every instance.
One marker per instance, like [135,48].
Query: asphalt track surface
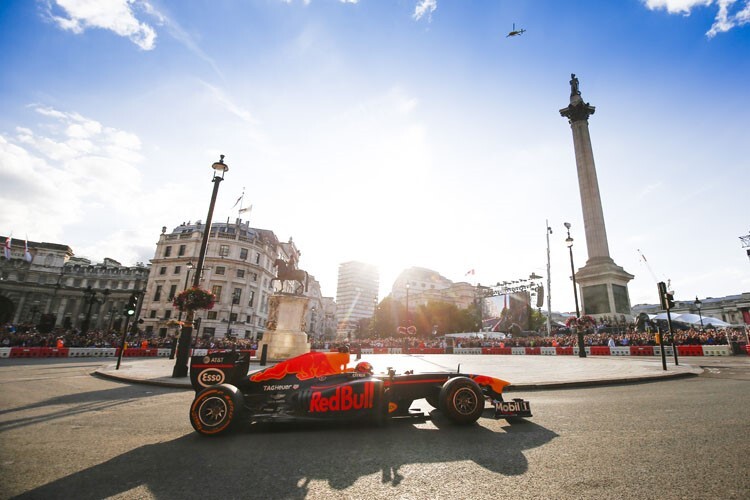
[66,434]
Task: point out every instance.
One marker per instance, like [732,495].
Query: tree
[387,318]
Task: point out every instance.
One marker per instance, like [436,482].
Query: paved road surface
[66,434]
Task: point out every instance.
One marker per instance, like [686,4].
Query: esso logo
[212,376]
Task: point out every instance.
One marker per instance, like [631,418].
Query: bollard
[263,355]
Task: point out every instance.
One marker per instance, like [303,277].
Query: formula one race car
[319,386]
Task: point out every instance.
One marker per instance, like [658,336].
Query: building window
[157,293]
[254,276]
[209,331]
[163,270]
[240,273]
[152,313]
[177,269]
[252,298]
[249,319]
[236,295]
[243,253]
[233,317]
[223,250]
[220,270]
[167,314]
[172,292]
[216,290]
[181,251]
[257,258]
[167,251]
[211,315]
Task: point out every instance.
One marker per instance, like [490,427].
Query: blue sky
[401,133]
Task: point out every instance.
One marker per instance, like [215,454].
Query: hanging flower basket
[583,323]
[194,298]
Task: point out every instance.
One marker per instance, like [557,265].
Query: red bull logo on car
[342,399]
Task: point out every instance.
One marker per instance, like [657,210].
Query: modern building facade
[52,283]
[356,295]
[239,266]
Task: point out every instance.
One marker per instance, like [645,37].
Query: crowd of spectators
[28,336]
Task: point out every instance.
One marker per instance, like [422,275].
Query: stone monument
[285,335]
[603,284]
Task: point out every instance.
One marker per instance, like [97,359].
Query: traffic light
[669,299]
[132,305]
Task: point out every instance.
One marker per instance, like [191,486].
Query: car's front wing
[510,409]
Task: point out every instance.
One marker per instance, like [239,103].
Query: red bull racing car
[319,386]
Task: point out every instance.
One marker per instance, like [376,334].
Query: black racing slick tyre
[215,409]
[461,400]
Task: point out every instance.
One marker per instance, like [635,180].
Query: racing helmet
[363,367]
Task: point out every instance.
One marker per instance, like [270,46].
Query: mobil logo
[342,398]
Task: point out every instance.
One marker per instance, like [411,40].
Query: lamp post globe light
[698,304]
[183,343]
[569,242]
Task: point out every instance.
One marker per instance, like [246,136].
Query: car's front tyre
[461,400]
[215,409]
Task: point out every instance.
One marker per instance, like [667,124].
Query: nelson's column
[603,284]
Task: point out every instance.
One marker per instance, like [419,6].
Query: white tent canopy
[695,319]
[690,319]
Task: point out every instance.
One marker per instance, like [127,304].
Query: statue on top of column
[574,85]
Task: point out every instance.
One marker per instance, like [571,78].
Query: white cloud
[113,15]
[726,18]
[677,6]
[425,7]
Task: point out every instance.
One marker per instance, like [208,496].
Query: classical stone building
[239,265]
[733,309]
[423,285]
[53,283]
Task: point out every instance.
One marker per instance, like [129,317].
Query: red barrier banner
[534,350]
[641,350]
[496,350]
[564,351]
[690,350]
[24,352]
[600,350]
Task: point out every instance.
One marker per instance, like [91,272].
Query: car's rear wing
[218,368]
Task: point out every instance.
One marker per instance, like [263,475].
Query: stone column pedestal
[285,334]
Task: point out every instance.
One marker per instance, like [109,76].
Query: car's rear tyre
[215,409]
[461,400]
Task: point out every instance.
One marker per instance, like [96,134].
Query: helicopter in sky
[515,32]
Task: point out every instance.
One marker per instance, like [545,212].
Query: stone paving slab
[523,372]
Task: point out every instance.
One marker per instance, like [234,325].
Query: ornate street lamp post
[90,298]
[569,242]
[183,344]
[698,304]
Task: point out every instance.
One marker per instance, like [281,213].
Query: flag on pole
[238,200]
[6,248]
[248,209]
[26,253]
[470,271]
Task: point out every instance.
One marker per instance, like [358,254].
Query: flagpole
[549,285]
